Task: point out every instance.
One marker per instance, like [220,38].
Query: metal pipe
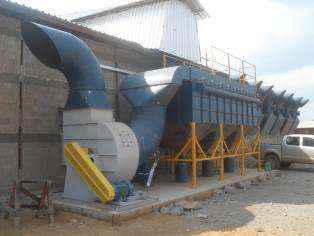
[70,55]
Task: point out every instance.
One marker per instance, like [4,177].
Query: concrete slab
[161,194]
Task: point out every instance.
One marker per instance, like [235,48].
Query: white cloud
[257,29]
[299,81]
[244,26]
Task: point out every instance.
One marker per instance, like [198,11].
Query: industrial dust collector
[280,111]
[165,102]
[169,99]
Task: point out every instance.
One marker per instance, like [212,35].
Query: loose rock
[217,192]
[229,189]
[202,216]
[244,184]
[73,221]
[189,205]
[176,211]
[164,210]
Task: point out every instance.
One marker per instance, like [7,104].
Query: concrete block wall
[44,95]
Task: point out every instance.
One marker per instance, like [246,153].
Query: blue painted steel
[208,168]
[184,94]
[148,125]
[182,173]
[280,111]
[64,51]
[204,99]
[229,164]
[149,93]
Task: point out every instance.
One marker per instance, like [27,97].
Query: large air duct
[149,93]
[63,51]
[87,118]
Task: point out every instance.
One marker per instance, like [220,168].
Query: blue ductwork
[70,55]
[154,95]
[149,93]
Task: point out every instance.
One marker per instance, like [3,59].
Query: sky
[275,35]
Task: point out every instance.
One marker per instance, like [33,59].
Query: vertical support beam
[222,157]
[50,205]
[173,169]
[212,59]
[164,60]
[259,167]
[20,110]
[243,167]
[193,149]
[229,66]
[243,73]
[17,206]
[116,94]
[255,90]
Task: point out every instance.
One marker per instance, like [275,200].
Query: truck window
[293,141]
[309,142]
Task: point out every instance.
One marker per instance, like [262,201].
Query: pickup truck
[295,148]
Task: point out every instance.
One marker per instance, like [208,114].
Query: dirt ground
[280,206]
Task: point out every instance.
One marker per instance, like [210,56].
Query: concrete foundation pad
[161,194]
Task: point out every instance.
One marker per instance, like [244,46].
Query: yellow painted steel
[193,153]
[95,180]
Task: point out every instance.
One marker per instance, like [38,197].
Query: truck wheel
[284,165]
[273,160]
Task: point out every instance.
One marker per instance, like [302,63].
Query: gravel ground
[282,205]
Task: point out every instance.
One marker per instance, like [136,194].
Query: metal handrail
[246,71]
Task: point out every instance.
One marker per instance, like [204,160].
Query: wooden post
[221,141]
[193,149]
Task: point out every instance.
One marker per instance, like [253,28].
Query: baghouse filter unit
[167,100]
[280,111]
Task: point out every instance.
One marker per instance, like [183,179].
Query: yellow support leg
[259,167]
[243,167]
[193,149]
[221,141]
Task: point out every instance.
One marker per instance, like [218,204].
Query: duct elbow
[70,55]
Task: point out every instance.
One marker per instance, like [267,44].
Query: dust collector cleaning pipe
[63,51]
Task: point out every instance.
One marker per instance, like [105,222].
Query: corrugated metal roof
[180,34]
[23,12]
[169,26]
[143,25]
[194,5]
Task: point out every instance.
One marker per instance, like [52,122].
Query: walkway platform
[162,193]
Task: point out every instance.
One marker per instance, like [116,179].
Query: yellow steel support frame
[93,177]
[192,152]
